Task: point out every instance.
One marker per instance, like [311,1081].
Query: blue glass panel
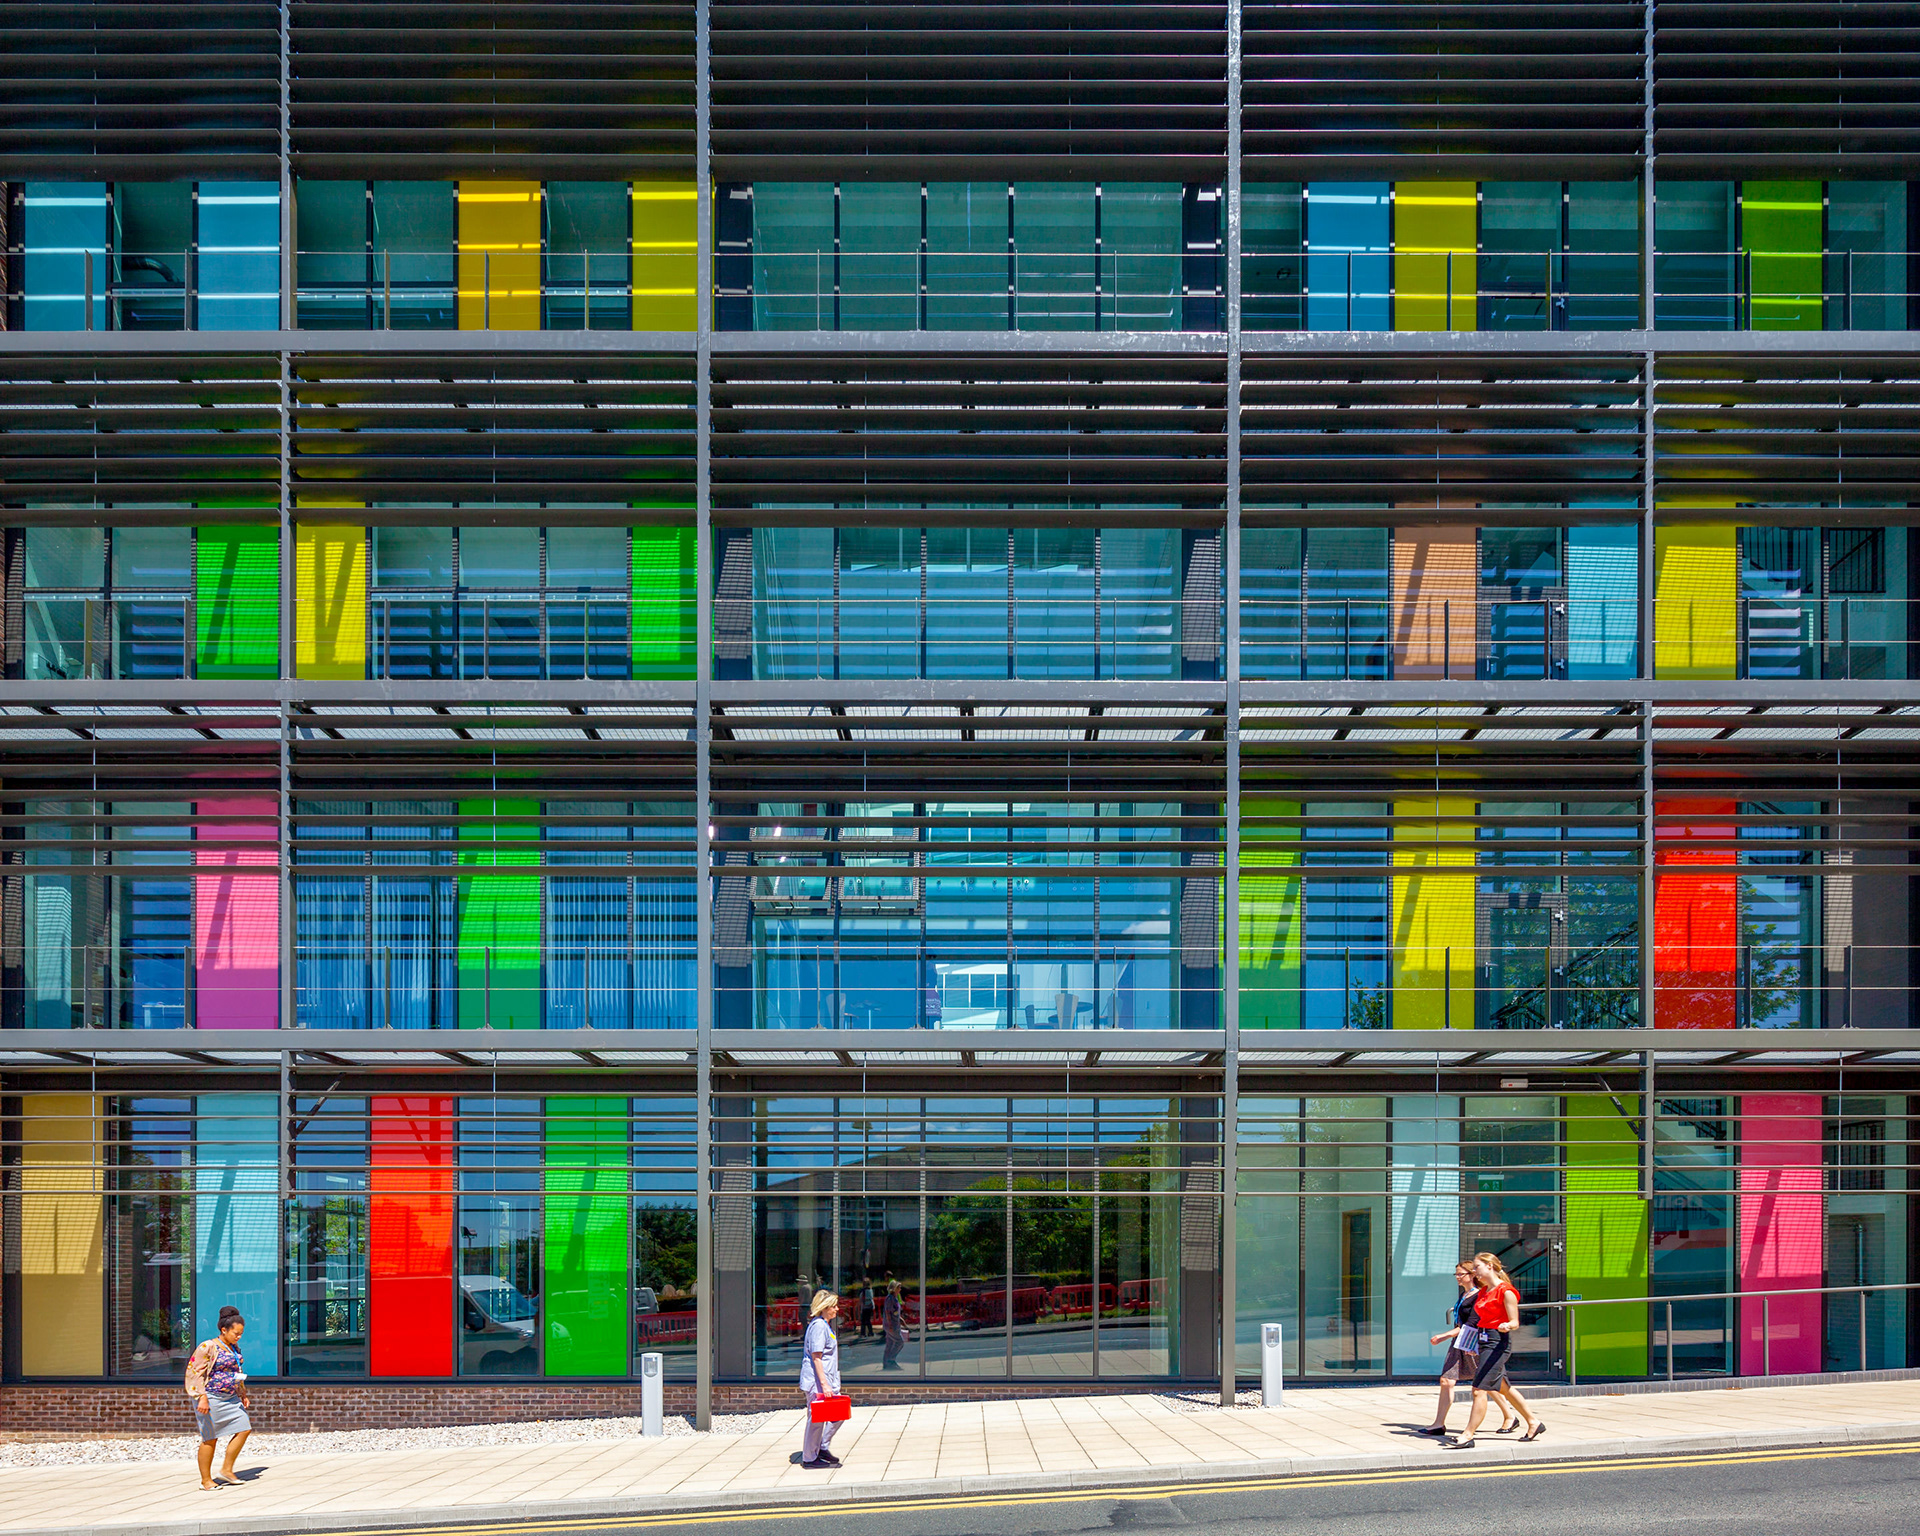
[239,254]
[966,602]
[879,602]
[330,917]
[1349,229]
[158,938]
[64,221]
[236,1224]
[1603,583]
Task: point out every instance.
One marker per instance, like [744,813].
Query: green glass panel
[1607,1232]
[1783,223]
[499,921]
[663,616]
[236,601]
[586,1236]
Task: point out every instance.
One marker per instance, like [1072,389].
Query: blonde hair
[821,1301]
[1494,1264]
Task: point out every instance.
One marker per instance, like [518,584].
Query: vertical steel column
[288,226]
[1648,485]
[702,725]
[283,704]
[1230,885]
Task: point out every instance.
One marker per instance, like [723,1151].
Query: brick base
[78,1410]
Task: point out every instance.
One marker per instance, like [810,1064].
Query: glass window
[1866,1239]
[1139,577]
[326,1238]
[1344,1238]
[238,241]
[66,557]
[500,1237]
[152,557]
[335,293]
[1140,245]
[1519,253]
[1270,612]
[1054,583]
[966,602]
[587,232]
[880,255]
[1696,268]
[1348,229]
[1267,1230]
[500,557]
[153,234]
[967,255]
[581,558]
[1867,239]
[413,557]
[413,249]
[150,1243]
[1520,584]
[1601,273]
[793,251]
[1272,261]
[879,604]
[1693,1228]
[1053,243]
[64,255]
[1348,581]
[793,613]
[1344,955]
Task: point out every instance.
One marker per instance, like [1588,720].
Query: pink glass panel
[1780,1229]
[236,920]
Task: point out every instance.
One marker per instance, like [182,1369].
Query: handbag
[830,1410]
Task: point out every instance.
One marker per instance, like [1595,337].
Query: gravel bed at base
[1205,1402]
[265,1445]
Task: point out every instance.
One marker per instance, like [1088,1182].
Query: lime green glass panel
[586,1236]
[663,617]
[1269,921]
[499,921]
[1607,1234]
[1782,223]
[236,601]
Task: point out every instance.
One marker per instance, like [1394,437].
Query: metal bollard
[1272,1367]
[650,1387]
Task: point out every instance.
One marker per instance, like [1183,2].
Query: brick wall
[66,1411]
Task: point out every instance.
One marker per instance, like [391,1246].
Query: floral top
[227,1371]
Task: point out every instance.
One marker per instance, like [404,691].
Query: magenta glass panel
[1780,1229]
[236,919]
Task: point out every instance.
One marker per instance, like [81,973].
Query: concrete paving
[922,1449]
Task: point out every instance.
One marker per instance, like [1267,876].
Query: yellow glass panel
[665,255]
[330,593]
[1696,579]
[1436,232]
[62,1304]
[499,275]
[1432,917]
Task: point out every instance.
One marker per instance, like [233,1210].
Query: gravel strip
[267,1445]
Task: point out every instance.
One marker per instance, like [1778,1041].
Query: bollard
[1272,1376]
[650,1386]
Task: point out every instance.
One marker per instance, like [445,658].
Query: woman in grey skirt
[217,1386]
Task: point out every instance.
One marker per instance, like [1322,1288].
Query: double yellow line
[1305,1480]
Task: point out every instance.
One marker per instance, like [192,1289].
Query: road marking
[1302,1480]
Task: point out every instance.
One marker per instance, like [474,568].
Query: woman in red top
[1497,1310]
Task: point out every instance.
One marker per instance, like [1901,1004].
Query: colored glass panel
[330,596]
[1270,929]
[1696,576]
[1349,237]
[1433,920]
[499,249]
[236,1220]
[1603,595]
[1782,1244]
[65,225]
[1694,918]
[663,613]
[1435,596]
[499,920]
[1436,229]
[1424,1180]
[236,601]
[236,919]
[1782,225]
[1607,1232]
[62,1255]
[410,1250]
[238,250]
[586,1258]
[665,241]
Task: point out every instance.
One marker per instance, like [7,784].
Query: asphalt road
[1852,1491]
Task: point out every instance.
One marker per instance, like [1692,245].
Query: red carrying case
[830,1410]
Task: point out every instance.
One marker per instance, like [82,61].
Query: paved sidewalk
[933,1448]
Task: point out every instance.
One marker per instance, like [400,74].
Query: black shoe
[1428,1429]
[816,1466]
[829,1458]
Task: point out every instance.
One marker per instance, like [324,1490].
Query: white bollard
[650,1385]
[1272,1382]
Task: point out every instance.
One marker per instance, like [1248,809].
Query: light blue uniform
[820,1340]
